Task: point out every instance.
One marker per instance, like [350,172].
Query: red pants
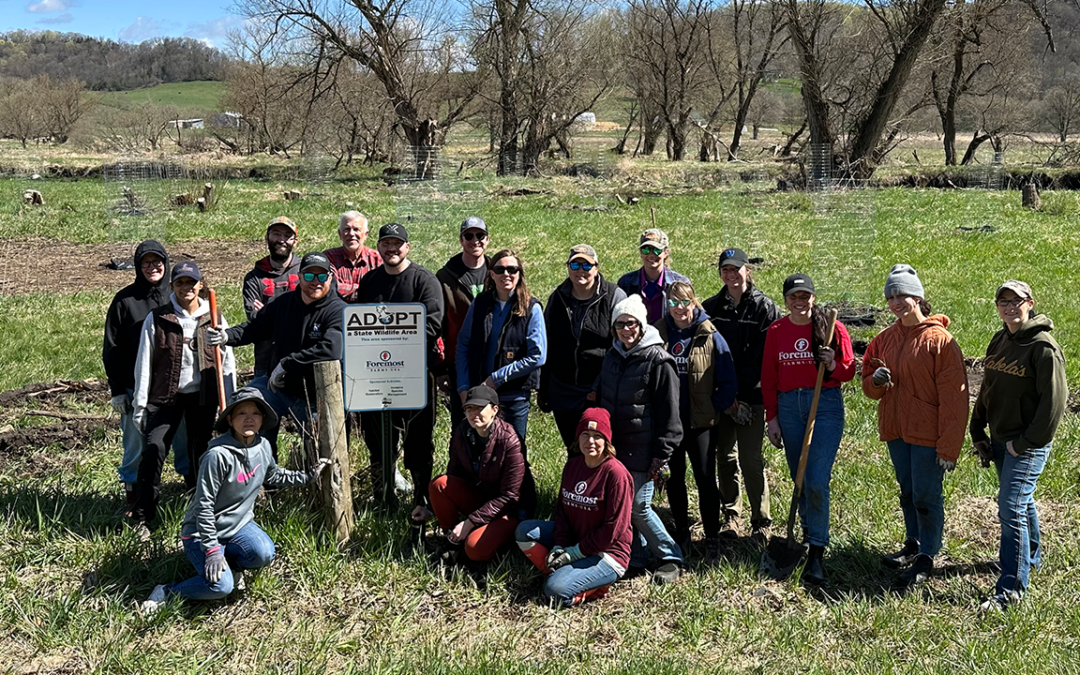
[452,499]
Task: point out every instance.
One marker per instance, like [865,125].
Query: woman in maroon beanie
[587,546]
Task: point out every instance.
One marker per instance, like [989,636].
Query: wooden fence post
[334,445]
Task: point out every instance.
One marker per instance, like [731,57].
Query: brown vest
[168,359]
[699,372]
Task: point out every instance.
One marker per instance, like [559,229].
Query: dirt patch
[80,267]
[974,367]
[41,392]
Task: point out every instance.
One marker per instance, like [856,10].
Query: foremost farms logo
[385,362]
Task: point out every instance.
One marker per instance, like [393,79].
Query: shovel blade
[781,557]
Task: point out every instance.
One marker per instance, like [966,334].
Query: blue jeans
[515,412]
[921,501]
[284,405]
[134,441]
[650,535]
[793,412]
[1020,550]
[250,549]
[567,581]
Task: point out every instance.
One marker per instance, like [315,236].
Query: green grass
[71,577]
[198,97]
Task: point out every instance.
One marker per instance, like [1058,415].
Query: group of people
[640,375]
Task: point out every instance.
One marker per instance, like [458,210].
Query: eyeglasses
[478,236]
[506,269]
[321,276]
[146,264]
[1015,302]
[647,250]
[685,302]
[579,265]
[626,325]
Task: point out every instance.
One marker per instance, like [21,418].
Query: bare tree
[757,30]
[20,115]
[138,127]
[1061,107]
[63,104]
[1003,111]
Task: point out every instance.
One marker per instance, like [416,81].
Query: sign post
[385,357]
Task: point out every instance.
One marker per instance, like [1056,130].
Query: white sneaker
[152,605]
[401,484]
[238,581]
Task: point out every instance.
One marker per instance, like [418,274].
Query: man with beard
[273,276]
[352,260]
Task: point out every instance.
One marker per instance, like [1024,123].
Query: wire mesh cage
[842,248]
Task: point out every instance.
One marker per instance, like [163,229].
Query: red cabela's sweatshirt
[594,510]
[789,361]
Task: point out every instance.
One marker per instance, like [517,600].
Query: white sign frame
[393,337]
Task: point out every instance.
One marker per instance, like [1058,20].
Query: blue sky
[125,20]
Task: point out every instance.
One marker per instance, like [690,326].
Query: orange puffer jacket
[928,402]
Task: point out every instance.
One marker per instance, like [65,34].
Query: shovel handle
[218,372]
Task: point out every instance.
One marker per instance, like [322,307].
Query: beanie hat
[595,419]
[903,280]
[632,306]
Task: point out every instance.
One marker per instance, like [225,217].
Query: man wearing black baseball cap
[401,280]
[273,276]
[305,328]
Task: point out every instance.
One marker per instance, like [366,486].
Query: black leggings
[161,426]
[700,445]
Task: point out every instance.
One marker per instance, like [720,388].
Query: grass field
[198,97]
[71,577]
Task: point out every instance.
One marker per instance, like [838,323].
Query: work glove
[659,470]
[882,377]
[321,465]
[826,356]
[773,432]
[138,417]
[559,556]
[946,464]
[121,404]
[215,565]
[277,378]
[741,412]
[216,337]
[984,452]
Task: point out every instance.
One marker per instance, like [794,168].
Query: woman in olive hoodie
[915,370]
[1022,400]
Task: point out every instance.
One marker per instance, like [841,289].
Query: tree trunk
[817,106]
[676,143]
[976,141]
[334,445]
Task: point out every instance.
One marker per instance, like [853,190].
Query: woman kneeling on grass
[487,489]
[915,370]
[587,547]
[794,347]
[219,533]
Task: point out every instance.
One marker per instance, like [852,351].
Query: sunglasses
[647,250]
[506,269]
[578,265]
[321,276]
[478,236]
[686,302]
[626,325]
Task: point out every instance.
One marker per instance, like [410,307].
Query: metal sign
[385,356]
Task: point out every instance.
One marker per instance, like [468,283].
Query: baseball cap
[186,269]
[284,222]
[393,231]
[583,251]
[796,283]
[481,395]
[1019,287]
[313,260]
[654,236]
[474,223]
[733,256]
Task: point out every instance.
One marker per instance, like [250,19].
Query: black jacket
[303,334]
[416,284]
[123,323]
[744,329]
[265,284]
[577,360]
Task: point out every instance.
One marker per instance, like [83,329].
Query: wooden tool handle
[809,434]
[218,371]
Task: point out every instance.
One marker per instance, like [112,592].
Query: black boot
[902,558]
[814,572]
[917,574]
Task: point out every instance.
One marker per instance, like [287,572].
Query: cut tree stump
[34,198]
[334,445]
[1031,198]
[293,194]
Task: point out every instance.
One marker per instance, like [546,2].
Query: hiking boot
[667,573]
[918,573]
[760,535]
[814,571]
[731,527]
[902,558]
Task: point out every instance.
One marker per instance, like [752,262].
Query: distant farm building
[226,120]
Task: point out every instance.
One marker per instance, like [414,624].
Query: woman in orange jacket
[915,370]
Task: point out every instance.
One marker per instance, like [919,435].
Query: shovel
[218,372]
[783,554]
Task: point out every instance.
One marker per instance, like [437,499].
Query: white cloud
[46,6]
[58,19]
[140,29]
[213,33]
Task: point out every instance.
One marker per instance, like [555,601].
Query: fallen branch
[66,416]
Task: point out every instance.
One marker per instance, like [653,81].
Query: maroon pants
[453,500]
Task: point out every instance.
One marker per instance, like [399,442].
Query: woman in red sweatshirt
[794,346]
[587,547]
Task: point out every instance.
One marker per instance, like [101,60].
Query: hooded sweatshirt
[265,284]
[1023,391]
[230,477]
[124,320]
[928,402]
[697,350]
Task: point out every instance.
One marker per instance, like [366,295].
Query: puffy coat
[928,402]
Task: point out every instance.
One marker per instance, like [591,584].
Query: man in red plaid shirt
[352,260]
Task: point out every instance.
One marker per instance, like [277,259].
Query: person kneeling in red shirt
[587,546]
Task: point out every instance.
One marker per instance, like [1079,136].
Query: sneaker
[999,602]
[401,485]
[152,605]
[902,558]
[666,573]
[732,525]
[238,581]
[918,573]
